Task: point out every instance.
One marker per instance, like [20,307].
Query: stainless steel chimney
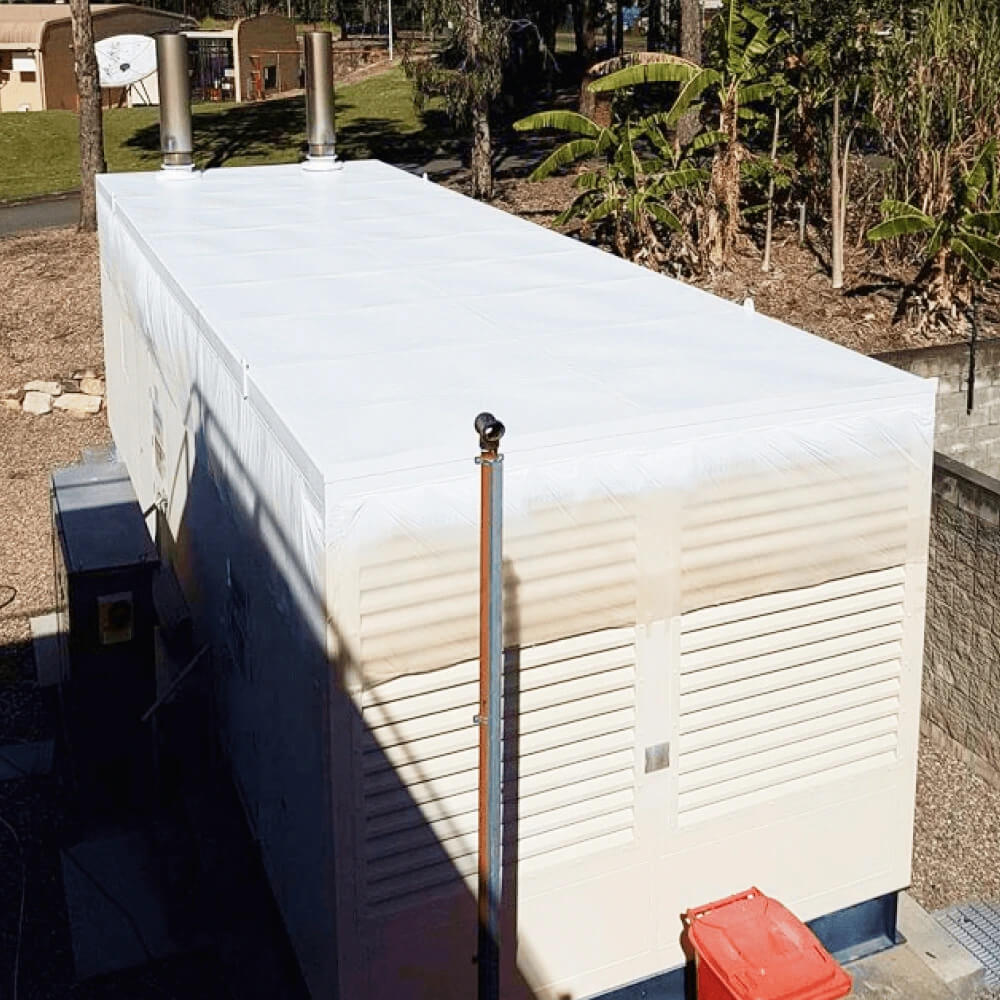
[175,101]
[320,131]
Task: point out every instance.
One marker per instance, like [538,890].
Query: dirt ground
[797,288]
[49,328]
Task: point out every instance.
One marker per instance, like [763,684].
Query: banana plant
[962,244]
[636,174]
[740,77]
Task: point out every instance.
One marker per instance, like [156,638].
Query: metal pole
[175,100]
[320,132]
[490,718]
[390,30]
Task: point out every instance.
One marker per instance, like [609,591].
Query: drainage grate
[976,926]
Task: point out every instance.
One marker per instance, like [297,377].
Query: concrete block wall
[972,438]
[961,693]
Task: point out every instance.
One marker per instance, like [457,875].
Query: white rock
[52,388]
[37,402]
[92,386]
[77,402]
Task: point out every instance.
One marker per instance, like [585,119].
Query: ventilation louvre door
[575,767]
[782,692]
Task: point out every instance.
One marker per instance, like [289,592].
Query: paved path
[41,214]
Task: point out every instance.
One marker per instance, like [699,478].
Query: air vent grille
[573,760]
[780,692]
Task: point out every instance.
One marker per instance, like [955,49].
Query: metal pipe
[490,718]
[320,129]
[175,100]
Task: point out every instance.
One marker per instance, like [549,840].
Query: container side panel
[244,533]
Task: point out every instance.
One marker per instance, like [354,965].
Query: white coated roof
[377,313]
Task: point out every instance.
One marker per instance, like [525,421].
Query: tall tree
[91,122]
[691,24]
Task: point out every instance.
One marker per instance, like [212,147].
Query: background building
[36,49]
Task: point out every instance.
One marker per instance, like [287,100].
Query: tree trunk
[687,127]
[619,27]
[836,215]
[769,230]
[341,11]
[482,153]
[583,28]
[481,163]
[723,214]
[91,124]
[658,34]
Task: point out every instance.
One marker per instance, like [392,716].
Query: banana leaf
[659,72]
[565,154]
[565,121]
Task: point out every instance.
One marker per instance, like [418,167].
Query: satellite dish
[125,59]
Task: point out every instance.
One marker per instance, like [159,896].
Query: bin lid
[761,951]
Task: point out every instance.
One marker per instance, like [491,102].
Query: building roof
[25,23]
[409,306]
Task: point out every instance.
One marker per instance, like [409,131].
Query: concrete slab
[21,760]
[117,915]
[46,643]
[897,974]
[953,964]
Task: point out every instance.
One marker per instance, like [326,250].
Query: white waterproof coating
[715,539]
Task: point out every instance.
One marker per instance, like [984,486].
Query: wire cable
[10,598]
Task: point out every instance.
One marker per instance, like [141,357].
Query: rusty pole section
[490,717]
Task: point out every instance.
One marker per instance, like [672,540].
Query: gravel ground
[956,838]
[50,327]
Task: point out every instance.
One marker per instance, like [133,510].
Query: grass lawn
[39,151]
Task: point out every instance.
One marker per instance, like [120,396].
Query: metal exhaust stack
[175,102]
[490,717]
[321,133]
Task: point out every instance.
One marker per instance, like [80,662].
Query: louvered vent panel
[576,707]
[760,534]
[778,693]
[570,567]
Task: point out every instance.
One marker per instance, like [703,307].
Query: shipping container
[715,552]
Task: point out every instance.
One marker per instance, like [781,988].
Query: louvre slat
[456,834]
[389,729]
[767,604]
[740,680]
[575,768]
[689,816]
[531,783]
[440,809]
[787,690]
[786,771]
[777,621]
[784,753]
[813,495]
[888,524]
[791,638]
[597,735]
[770,524]
[708,746]
[466,692]
[881,681]
[618,571]
[832,656]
